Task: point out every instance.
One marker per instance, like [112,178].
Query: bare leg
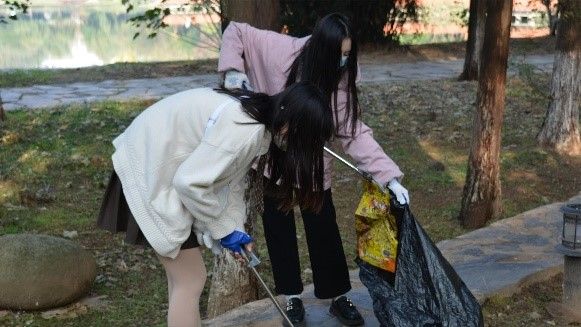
[186,276]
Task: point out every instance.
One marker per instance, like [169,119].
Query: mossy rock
[41,272]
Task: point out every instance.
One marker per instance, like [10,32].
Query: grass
[369,54]
[120,71]
[55,164]
[535,305]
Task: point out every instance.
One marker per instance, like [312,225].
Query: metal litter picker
[367,176]
[253,261]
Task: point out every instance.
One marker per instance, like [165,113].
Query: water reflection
[78,36]
[80,57]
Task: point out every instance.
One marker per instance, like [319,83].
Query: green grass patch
[120,71]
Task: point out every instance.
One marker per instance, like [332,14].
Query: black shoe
[295,311]
[346,312]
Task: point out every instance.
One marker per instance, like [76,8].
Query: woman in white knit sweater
[181,167]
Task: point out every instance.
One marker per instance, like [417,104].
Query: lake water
[69,36]
[96,32]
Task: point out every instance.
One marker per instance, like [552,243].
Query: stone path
[498,259]
[42,96]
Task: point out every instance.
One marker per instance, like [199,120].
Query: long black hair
[302,113]
[318,62]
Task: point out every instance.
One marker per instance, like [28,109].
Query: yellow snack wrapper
[376,229]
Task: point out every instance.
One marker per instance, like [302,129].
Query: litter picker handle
[253,261]
[367,176]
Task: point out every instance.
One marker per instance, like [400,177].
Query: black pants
[330,272]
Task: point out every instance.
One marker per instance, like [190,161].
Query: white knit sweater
[173,176]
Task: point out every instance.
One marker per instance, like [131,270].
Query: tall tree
[381,21]
[560,130]
[258,13]
[374,21]
[476,23]
[2,113]
[552,14]
[481,198]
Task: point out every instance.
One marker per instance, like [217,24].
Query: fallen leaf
[70,234]
[122,266]
[535,315]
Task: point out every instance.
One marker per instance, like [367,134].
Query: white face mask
[343,61]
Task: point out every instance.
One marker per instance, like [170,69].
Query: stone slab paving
[43,96]
[498,259]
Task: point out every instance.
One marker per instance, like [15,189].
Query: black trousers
[330,272]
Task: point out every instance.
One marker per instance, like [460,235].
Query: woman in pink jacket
[267,62]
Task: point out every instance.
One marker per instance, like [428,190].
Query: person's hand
[206,240]
[235,240]
[236,80]
[248,248]
[401,194]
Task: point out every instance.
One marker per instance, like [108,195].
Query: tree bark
[560,130]
[476,24]
[481,198]
[2,114]
[553,18]
[233,284]
[258,13]
[572,282]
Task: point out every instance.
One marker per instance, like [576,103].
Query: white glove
[401,194]
[236,80]
[205,239]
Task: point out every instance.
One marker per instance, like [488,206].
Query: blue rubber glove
[235,240]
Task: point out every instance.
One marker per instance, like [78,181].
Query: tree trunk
[572,282]
[481,198]
[2,114]
[233,284]
[369,19]
[560,130]
[476,24]
[258,13]
[552,17]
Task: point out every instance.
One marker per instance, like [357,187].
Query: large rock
[41,272]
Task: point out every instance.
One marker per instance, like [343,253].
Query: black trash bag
[427,290]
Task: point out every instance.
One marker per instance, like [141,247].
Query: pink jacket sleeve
[264,56]
[363,148]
